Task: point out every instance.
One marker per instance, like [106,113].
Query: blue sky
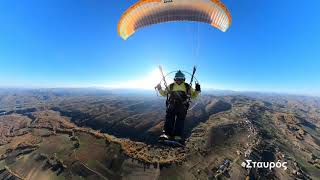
[271,46]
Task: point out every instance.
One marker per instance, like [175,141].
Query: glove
[198,88]
[159,87]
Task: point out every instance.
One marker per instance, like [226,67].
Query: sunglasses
[179,79]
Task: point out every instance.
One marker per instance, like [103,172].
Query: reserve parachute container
[148,12]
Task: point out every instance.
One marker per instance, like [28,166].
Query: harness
[178,97]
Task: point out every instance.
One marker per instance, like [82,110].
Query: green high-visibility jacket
[181,87]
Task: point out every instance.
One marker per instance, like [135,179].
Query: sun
[156,75]
[150,80]
[147,82]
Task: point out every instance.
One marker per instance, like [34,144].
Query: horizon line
[144,90]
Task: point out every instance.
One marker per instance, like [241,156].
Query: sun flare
[147,82]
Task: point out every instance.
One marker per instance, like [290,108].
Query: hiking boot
[164,137]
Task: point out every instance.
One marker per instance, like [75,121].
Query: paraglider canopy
[149,12]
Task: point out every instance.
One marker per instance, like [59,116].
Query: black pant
[174,124]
